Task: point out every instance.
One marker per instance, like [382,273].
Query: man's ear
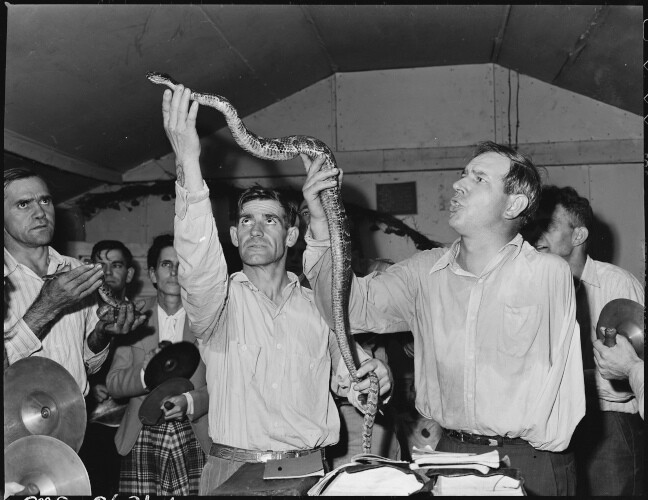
[517,204]
[293,235]
[234,236]
[579,236]
[129,274]
[152,277]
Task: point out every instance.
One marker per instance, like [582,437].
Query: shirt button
[274,385]
[311,366]
[278,346]
[243,348]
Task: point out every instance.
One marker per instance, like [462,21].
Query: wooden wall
[419,125]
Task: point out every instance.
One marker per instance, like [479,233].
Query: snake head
[160,78]
[107,296]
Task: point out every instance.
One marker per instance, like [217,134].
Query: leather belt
[243,455]
[467,437]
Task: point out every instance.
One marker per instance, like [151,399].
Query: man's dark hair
[578,208]
[523,176]
[260,193]
[159,243]
[18,173]
[102,245]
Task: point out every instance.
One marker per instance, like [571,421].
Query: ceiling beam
[600,14]
[28,148]
[499,40]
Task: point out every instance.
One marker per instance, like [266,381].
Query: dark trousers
[544,472]
[101,460]
[609,449]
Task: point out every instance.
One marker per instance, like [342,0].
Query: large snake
[286,148]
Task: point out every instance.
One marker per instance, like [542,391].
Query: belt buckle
[265,456]
[493,442]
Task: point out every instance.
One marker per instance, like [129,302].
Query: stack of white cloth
[454,476]
[369,475]
[441,473]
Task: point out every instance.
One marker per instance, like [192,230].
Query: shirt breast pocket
[519,329]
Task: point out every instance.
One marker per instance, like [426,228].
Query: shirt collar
[243,279]
[56,261]
[10,264]
[450,257]
[589,274]
[162,313]
[447,258]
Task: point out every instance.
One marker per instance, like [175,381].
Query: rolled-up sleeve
[92,360]
[20,342]
[202,272]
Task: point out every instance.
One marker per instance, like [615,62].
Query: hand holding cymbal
[44,465]
[151,413]
[622,317]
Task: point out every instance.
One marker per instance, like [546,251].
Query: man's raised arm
[202,273]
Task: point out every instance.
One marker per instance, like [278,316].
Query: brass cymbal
[627,317]
[150,413]
[42,398]
[109,412]
[175,360]
[46,463]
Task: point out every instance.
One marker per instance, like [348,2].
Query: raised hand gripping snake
[286,148]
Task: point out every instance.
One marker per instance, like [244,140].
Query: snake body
[105,294]
[286,148]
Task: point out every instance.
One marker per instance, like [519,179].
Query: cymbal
[175,360]
[42,398]
[627,317]
[150,412]
[47,464]
[109,412]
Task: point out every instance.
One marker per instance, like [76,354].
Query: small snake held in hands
[105,293]
[286,148]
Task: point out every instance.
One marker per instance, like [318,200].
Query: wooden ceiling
[76,96]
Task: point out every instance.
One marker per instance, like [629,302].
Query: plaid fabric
[165,460]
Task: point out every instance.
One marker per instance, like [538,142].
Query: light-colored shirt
[636,379]
[171,326]
[268,366]
[603,283]
[67,340]
[494,354]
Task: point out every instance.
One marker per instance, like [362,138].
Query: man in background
[167,458]
[609,440]
[98,451]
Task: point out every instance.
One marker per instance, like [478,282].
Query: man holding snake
[268,351]
[497,357]
[51,310]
